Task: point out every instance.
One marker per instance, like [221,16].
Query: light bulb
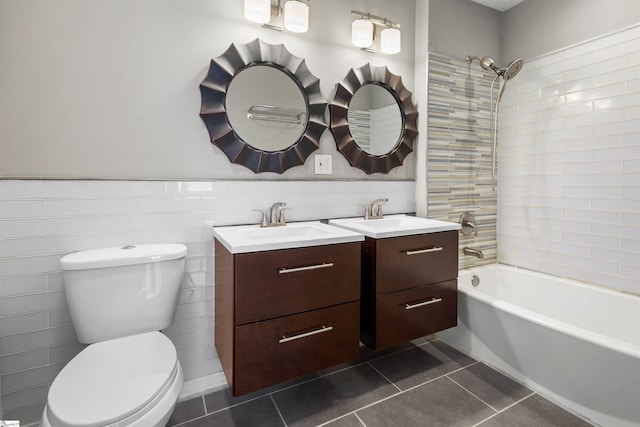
[362,33]
[390,40]
[257,11]
[296,17]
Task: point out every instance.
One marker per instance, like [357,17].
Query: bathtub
[576,344]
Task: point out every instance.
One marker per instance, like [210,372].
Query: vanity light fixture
[293,15]
[296,16]
[258,11]
[390,41]
[363,33]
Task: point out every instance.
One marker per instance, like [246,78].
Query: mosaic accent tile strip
[459,152]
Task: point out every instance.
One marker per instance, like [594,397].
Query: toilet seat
[113,380]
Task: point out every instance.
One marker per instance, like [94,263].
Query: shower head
[512,69]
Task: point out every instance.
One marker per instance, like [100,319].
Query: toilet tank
[122,291]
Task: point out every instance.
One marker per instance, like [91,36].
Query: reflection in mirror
[375,119]
[263,124]
[346,111]
[266,108]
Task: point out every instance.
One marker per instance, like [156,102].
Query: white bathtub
[577,344]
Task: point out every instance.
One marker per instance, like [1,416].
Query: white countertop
[253,238]
[394,226]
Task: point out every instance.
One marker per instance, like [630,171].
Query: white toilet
[119,298]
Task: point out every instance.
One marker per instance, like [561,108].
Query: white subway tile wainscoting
[40,221]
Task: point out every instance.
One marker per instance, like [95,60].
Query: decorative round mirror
[373,119]
[262,107]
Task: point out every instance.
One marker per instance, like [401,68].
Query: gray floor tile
[222,398]
[422,363]
[366,354]
[492,387]
[332,396]
[187,410]
[440,403]
[256,413]
[535,411]
[348,421]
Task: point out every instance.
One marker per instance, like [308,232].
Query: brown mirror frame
[213,91]
[339,121]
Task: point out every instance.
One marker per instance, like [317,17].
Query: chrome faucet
[274,216]
[374,210]
[475,252]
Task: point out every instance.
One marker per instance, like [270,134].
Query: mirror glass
[266,108]
[375,119]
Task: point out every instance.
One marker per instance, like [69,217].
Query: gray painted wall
[109,88]
[458,28]
[536,27]
[532,28]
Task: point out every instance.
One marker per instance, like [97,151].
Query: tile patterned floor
[425,383]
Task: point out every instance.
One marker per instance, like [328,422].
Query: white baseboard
[202,385]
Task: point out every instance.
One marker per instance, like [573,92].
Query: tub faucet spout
[471,251]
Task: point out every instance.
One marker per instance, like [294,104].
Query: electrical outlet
[323,164]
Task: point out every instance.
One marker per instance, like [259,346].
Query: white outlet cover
[323,164]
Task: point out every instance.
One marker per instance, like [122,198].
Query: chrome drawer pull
[420,304]
[307,268]
[424,251]
[306,334]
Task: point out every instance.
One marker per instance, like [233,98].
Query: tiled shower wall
[569,176]
[40,221]
[459,152]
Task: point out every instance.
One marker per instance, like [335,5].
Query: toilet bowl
[131,381]
[129,374]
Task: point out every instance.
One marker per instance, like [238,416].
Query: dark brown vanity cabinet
[284,313]
[409,287]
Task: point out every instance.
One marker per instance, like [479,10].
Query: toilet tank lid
[121,256]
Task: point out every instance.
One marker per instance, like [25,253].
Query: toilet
[119,300]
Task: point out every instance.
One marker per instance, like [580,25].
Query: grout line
[437,378]
[504,409]
[337,418]
[277,409]
[204,404]
[472,394]
[337,370]
[360,419]
[326,423]
[384,376]
[238,404]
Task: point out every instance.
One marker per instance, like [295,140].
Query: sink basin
[253,238]
[394,226]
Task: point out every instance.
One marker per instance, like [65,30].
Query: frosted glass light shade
[257,11]
[362,33]
[296,17]
[390,40]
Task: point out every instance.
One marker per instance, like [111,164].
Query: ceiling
[500,5]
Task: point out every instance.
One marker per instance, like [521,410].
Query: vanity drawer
[420,311]
[282,282]
[276,350]
[409,261]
